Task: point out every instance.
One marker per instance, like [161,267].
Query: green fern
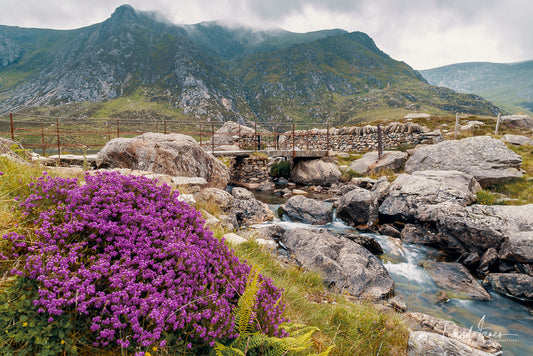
[252,341]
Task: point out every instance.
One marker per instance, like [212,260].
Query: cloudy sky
[422,33]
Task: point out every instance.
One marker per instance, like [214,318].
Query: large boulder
[423,343]
[455,279]
[371,163]
[315,172]
[516,285]
[310,211]
[216,198]
[340,261]
[228,134]
[517,140]
[358,207]
[174,155]
[474,339]
[485,158]
[410,192]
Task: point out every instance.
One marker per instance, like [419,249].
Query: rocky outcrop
[423,343]
[517,140]
[174,154]
[485,158]
[341,262]
[358,207]
[410,193]
[310,211]
[474,339]
[315,172]
[370,163]
[455,279]
[516,285]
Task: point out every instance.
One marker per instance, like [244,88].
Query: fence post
[327,140]
[497,125]
[58,141]
[257,139]
[108,131]
[118,129]
[200,135]
[42,136]
[12,128]
[212,137]
[293,142]
[380,142]
[456,126]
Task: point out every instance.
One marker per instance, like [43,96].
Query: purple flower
[135,261]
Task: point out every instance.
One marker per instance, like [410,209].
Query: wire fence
[58,135]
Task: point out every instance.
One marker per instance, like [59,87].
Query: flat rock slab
[474,339]
[371,162]
[409,193]
[423,343]
[307,210]
[484,157]
[518,140]
[340,261]
[455,279]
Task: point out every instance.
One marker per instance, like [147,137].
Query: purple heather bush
[133,259]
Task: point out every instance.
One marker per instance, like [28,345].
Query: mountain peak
[124,12]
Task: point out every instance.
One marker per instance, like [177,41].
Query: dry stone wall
[356,138]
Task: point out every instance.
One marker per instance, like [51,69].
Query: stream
[507,321]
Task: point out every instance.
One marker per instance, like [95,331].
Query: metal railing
[57,135]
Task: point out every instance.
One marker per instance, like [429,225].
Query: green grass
[355,328]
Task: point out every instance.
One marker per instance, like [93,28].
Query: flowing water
[507,321]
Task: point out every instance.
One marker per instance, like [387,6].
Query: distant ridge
[507,84]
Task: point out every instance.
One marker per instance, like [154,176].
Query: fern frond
[244,313]
[222,350]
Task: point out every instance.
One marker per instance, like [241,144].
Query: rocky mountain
[507,84]
[213,71]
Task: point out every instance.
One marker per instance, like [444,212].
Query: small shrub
[485,197]
[281,169]
[136,263]
[349,174]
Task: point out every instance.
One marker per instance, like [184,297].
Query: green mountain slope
[509,85]
[133,65]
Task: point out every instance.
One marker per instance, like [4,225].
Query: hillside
[134,65]
[509,85]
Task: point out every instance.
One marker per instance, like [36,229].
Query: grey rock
[367,242]
[518,120]
[217,197]
[370,163]
[485,158]
[517,140]
[175,155]
[358,207]
[242,193]
[474,339]
[251,211]
[518,247]
[423,343]
[310,211]
[489,258]
[389,230]
[455,279]
[228,134]
[515,285]
[410,192]
[340,261]
[315,172]
[381,188]
[398,303]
